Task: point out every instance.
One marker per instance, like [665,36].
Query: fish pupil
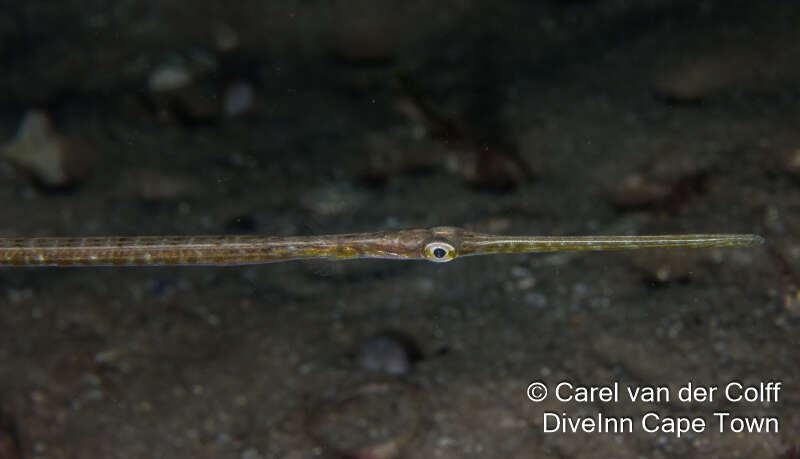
[439,252]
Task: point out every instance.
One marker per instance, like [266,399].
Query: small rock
[181,70]
[389,352]
[374,421]
[185,86]
[169,77]
[238,99]
[51,159]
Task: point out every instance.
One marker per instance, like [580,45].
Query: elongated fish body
[439,244]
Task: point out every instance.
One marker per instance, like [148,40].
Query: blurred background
[298,117]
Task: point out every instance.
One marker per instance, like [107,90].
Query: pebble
[184,86]
[384,354]
[388,352]
[181,70]
[50,158]
[169,77]
[374,420]
[238,99]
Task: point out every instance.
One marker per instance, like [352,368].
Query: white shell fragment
[50,158]
[169,77]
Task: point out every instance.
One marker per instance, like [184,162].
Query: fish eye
[439,252]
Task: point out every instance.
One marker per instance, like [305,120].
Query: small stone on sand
[53,160]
